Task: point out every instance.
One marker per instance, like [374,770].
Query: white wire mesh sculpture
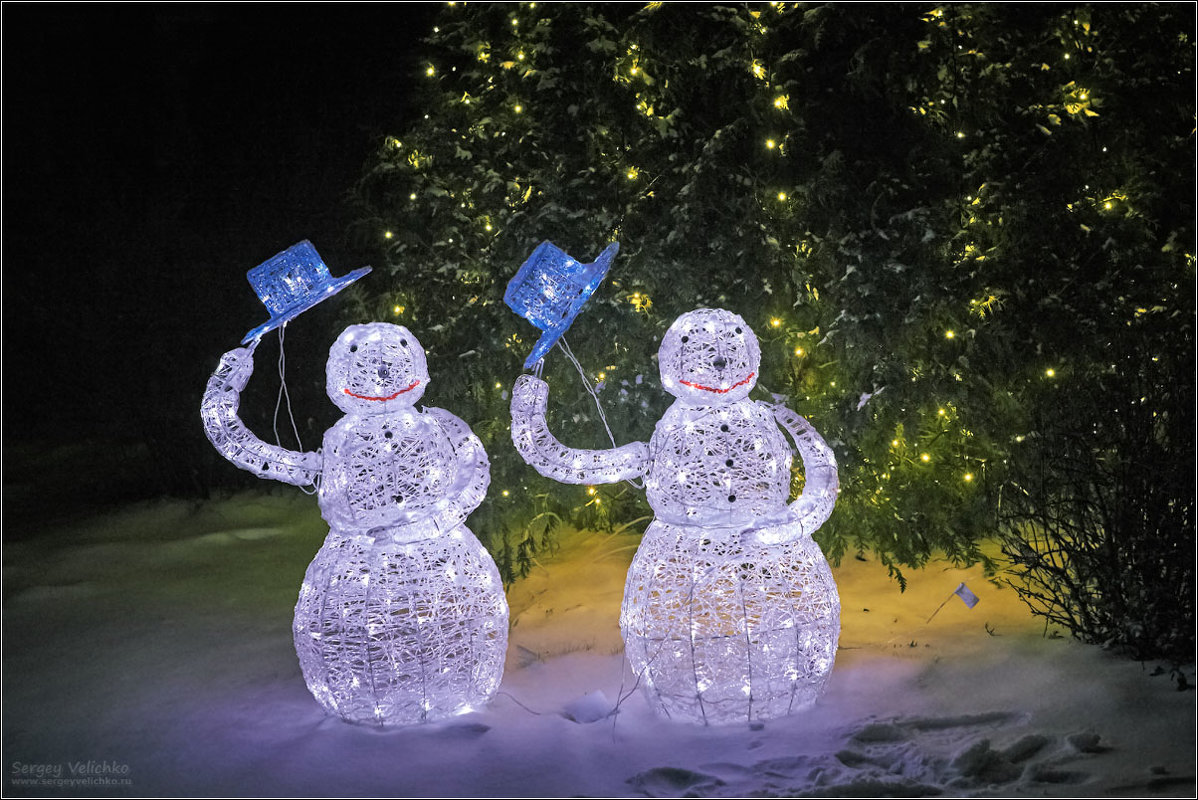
[401,617]
[730,610]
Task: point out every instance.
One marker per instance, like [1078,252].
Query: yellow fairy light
[941,412]
[430,71]
[757,69]
[782,102]
[590,490]
[505,492]
[925,458]
[782,197]
[894,443]
[519,109]
[771,144]
[799,352]
[775,322]
[949,334]
[960,135]
[387,234]
[641,302]
[968,476]
[1050,372]
[398,310]
[498,385]
[632,173]
[412,196]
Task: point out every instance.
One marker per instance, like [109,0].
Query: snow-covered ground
[149,652]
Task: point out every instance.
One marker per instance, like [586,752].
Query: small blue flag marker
[967,597]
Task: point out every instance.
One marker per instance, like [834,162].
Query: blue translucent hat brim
[321,294]
[596,272]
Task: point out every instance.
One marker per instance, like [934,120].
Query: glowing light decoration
[401,617]
[292,282]
[550,289]
[730,611]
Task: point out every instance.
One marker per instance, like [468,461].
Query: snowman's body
[722,464]
[730,611]
[369,480]
[401,617]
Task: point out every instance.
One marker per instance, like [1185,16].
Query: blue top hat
[291,283]
[550,289]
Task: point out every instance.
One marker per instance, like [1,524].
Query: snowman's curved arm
[235,441]
[474,469]
[822,484]
[544,453]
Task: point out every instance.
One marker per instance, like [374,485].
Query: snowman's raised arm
[822,484]
[235,441]
[474,469]
[551,458]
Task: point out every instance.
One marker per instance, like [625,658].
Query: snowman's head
[708,356]
[375,368]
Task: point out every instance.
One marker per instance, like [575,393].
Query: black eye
[353,348]
[738,330]
[686,338]
[403,342]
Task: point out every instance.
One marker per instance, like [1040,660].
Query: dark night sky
[152,155]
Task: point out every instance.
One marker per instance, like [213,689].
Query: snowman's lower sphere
[723,631]
[399,633]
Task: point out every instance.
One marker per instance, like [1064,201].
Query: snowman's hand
[822,483]
[533,394]
[474,469]
[774,527]
[236,367]
[544,453]
[233,440]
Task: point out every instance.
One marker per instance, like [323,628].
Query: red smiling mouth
[388,397]
[718,391]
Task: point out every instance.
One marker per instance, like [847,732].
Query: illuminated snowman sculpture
[401,617]
[730,610]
